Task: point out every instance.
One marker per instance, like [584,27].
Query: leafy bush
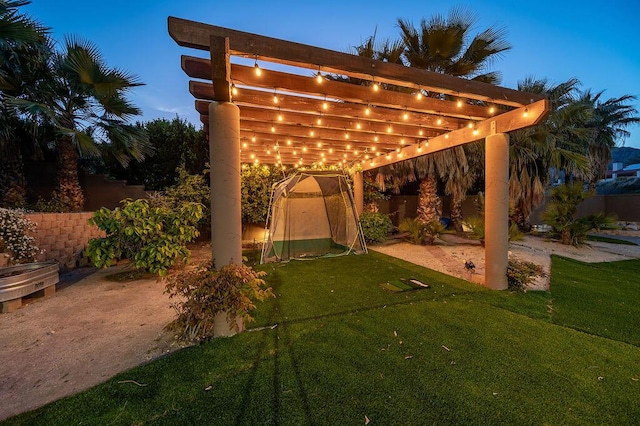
[476,227]
[375,226]
[203,292]
[521,273]
[256,184]
[152,238]
[420,233]
[561,211]
[14,236]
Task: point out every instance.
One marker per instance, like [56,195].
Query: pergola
[322,106]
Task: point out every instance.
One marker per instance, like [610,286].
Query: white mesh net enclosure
[312,214]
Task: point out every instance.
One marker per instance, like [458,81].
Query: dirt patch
[450,254]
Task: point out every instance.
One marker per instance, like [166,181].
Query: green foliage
[153,238]
[421,233]
[561,211]
[476,227]
[257,182]
[375,226]
[203,292]
[177,144]
[522,273]
[52,205]
[14,236]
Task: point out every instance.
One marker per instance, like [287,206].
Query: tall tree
[608,124]
[558,142]
[24,50]
[446,45]
[86,102]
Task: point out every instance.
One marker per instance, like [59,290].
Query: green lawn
[344,348]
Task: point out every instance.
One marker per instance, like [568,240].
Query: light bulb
[273,129]
[319,121]
[405,116]
[244,145]
[439,122]
[275,99]
[419,95]
[319,77]
[389,129]
[253,138]
[375,138]
[367,110]
[280,118]
[319,145]
[459,104]
[288,141]
[312,133]
[492,110]
[257,69]
[526,112]
[234,89]
[420,132]
[358,125]
[325,105]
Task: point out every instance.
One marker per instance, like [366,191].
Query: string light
[325,105]
[312,133]
[319,144]
[244,145]
[367,110]
[420,132]
[275,96]
[405,116]
[459,103]
[234,89]
[256,67]
[273,128]
[492,110]
[280,118]
[475,129]
[358,125]
[419,93]
[319,77]
[526,112]
[319,120]
[389,129]
[439,121]
[288,141]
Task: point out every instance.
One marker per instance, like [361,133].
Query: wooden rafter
[279,111]
[197,35]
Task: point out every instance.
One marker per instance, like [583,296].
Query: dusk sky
[594,41]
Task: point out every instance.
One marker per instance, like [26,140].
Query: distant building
[617,170]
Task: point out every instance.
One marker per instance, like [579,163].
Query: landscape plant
[521,273]
[375,226]
[421,233]
[152,238]
[14,236]
[560,214]
[204,292]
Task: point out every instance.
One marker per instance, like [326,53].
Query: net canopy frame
[312,214]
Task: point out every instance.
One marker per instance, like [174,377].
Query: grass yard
[344,348]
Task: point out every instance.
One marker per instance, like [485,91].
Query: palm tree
[86,103]
[445,45]
[23,52]
[558,142]
[608,124]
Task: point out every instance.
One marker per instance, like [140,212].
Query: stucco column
[224,156]
[358,192]
[496,214]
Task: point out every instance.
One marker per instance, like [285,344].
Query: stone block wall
[63,236]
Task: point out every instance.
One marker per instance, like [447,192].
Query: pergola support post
[358,191]
[496,210]
[224,157]
[226,217]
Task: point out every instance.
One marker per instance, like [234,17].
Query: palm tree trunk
[68,189]
[429,204]
[456,212]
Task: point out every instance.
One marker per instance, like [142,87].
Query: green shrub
[476,226]
[14,236]
[521,273]
[203,292]
[152,238]
[375,226]
[420,233]
[561,211]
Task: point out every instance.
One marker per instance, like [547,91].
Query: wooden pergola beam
[335,109]
[516,119]
[197,35]
[220,68]
[279,81]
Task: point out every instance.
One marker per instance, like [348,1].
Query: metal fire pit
[21,280]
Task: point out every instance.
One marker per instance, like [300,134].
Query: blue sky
[594,41]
